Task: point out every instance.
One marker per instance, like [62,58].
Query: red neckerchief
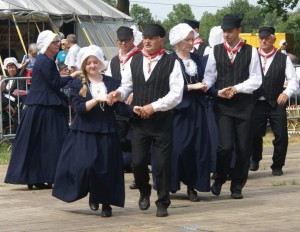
[233,51]
[198,40]
[266,56]
[130,54]
[151,57]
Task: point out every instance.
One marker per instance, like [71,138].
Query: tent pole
[19,33]
[101,38]
[84,31]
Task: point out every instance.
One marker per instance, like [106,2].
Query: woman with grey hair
[44,124]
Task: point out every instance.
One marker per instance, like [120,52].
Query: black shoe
[162,212]
[237,196]
[93,205]
[144,201]
[42,186]
[213,176]
[254,166]
[192,194]
[133,185]
[106,211]
[30,186]
[216,189]
[277,172]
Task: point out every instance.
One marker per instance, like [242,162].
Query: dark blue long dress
[91,158]
[43,127]
[191,155]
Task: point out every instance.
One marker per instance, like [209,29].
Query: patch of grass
[293,182]
[282,183]
[293,138]
[5,151]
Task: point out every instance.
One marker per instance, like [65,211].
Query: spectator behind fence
[28,61]
[61,56]
[44,125]
[9,112]
[14,88]
[73,47]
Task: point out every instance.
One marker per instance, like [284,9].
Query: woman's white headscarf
[91,50]
[215,36]
[180,32]
[44,40]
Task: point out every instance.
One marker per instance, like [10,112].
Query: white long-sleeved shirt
[290,74]
[248,86]
[176,83]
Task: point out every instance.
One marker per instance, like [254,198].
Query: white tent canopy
[98,19]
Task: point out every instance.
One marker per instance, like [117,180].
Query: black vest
[201,49]
[273,81]
[235,73]
[157,86]
[115,68]
[241,105]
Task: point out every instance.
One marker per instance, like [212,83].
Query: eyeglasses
[56,42]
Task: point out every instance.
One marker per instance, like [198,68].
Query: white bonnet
[282,42]
[10,60]
[91,50]
[138,36]
[215,36]
[180,32]
[44,40]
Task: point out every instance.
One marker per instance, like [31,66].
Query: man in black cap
[233,67]
[271,99]
[200,47]
[116,68]
[156,80]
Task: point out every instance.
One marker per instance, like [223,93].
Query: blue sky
[161,8]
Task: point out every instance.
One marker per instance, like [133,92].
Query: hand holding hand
[113,97]
[129,99]
[137,110]
[147,111]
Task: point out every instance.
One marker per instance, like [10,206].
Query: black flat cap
[231,21]
[193,23]
[154,30]
[266,31]
[124,33]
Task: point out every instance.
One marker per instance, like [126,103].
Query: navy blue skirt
[37,145]
[90,163]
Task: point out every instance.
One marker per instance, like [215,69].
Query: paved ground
[270,204]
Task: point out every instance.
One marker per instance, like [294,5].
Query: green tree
[141,15]
[279,7]
[179,13]
[113,3]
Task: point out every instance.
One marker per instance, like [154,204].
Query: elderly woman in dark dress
[191,157]
[44,125]
[91,159]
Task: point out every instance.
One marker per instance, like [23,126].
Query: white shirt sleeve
[210,74]
[108,70]
[174,96]
[291,77]
[255,76]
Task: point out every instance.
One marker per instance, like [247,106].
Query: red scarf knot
[231,52]
[266,56]
[151,57]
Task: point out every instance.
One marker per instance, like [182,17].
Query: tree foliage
[141,15]
[179,13]
[112,3]
[280,7]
